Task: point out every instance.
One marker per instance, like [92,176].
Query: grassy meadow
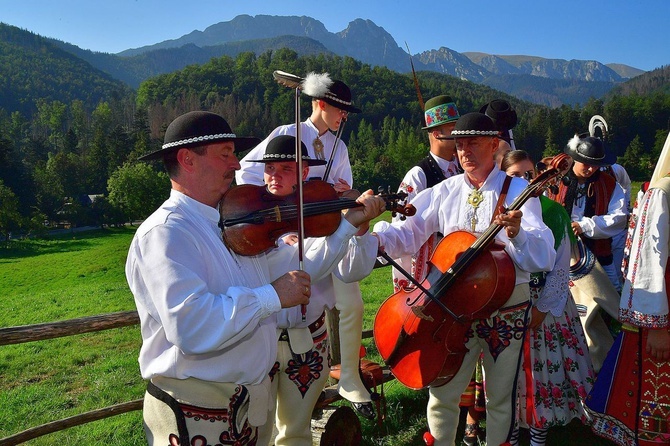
[82,275]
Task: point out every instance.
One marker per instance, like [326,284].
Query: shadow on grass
[59,243]
[405,424]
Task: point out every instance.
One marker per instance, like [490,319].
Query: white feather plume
[574,143]
[598,122]
[316,85]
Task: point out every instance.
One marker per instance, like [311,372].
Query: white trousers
[500,337]
[349,302]
[297,382]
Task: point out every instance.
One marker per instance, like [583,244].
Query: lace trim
[555,293]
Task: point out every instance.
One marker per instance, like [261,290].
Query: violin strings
[290,211]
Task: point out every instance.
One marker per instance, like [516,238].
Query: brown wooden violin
[421,334]
[253,219]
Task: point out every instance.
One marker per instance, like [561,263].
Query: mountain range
[550,82]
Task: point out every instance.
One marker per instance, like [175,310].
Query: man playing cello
[471,202]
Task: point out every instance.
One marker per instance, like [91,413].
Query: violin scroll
[555,171]
[393,204]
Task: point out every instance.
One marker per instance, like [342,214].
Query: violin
[421,333]
[253,219]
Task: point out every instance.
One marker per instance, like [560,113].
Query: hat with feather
[333,92]
[589,150]
[199,128]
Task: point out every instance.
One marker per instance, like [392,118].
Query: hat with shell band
[282,148]
[589,150]
[440,110]
[333,92]
[472,125]
[198,128]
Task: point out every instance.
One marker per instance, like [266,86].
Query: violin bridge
[277,214]
[418,312]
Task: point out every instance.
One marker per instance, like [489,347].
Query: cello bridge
[418,312]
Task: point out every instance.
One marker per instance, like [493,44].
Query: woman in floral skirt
[556,373]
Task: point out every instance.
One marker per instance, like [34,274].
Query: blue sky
[634,33]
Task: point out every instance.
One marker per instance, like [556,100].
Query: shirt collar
[192,205]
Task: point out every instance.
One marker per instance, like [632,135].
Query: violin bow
[295,82]
[338,134]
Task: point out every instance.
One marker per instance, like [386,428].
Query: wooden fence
[40,332]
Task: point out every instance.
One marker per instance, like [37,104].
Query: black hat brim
[309,162]
[242,143]
[607,160]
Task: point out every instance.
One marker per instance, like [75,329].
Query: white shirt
[607,225]
[252,173]
[444,208]
[205,312]
[644,298]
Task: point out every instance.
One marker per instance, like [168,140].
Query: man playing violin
[331,105]
[302,367]
[471,202]
[208,316]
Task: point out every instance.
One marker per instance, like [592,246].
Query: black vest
[433,172]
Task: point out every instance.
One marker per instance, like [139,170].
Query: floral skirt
[557,373]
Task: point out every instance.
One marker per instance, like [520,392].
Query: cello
[421,333]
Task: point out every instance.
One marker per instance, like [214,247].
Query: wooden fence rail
[39,332]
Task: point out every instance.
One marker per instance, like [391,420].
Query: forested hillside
[32,70]
[652,82]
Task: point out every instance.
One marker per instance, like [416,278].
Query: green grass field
[82,275]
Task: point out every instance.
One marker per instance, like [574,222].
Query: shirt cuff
[520,238]
[346,230]
[268,300]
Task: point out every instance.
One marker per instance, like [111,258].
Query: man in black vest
[440,117]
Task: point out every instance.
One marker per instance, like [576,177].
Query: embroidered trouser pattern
[169,422]
[500,338]
[297,382]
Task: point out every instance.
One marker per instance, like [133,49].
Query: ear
[322,104]
[185,158]
[305,172]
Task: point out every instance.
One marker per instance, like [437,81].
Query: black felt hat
[333,92]
[471,125]
[282,148]
[440,110]
[339,95]
[197,128]
[589,150]
[503,116]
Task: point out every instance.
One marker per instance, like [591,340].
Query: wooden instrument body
[421,343]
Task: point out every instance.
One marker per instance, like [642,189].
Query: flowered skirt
[556,374]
